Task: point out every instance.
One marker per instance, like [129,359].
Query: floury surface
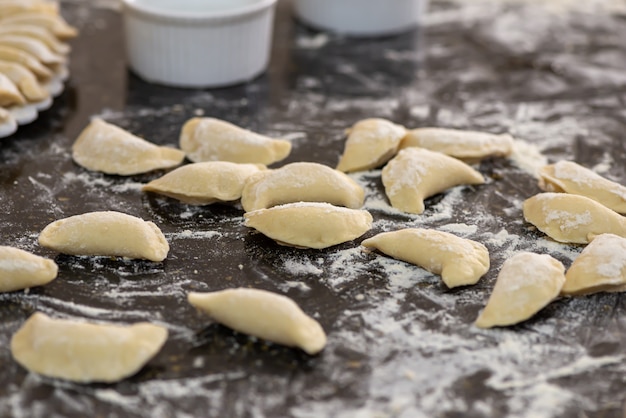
[400,344]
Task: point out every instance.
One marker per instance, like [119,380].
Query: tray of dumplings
[33,60]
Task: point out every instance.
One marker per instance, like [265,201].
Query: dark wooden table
[400,343]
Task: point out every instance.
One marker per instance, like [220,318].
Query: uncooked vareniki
[8,124]
[465,145]
[85,352]
[9,93]
[18,56]
[33,47]
[25,81]
[569,177]
[526,283]
[204,183]
[370,144]
[600,267]
[52,22]
[416,174]
[310,225]
[306,182]
[262,314]
[104,147]
[571,218]
[459,261]
[106,234]
[20,269]
[35,32]
[210,139]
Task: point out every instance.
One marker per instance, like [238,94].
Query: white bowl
[361,17]
[198,43]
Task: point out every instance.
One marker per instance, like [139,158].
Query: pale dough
[416,174]
[262,314]
[34,47]
[24,80]
[106,234]
[310,225]
[527,282]
[9,93]
[462,144]
[36,32]
[601,267]
[50,21]
[18,56]
[204,183]
[210,139]
[370,144]
[20,269]
[571,218]
[85,352]
[459,261]
[104,147]
[569,177]
[306,182]
[12,7]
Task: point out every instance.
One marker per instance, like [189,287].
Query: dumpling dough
[20,269]
[106,234]
[465,145]
[570,218]
[262,314]
[85,352]
[204,183]
[39,33]
[8,124]
[25,81]
[370,144]
[416,174]
[459,261]
[34,47]
[111,150]
[569,177]
[601,267]
[526,283]
[9,93]
[310,225]
[18,56]
[53,22]
[209,139]
[306,182]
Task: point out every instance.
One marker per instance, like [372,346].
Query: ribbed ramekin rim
[208,16]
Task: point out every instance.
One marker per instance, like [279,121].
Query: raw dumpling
[18,56]
[25,81]
[459,261]
[465,145]
[204,183]
[53,22]
[20,269]
[416,174]
[310,225]
[8,124]
[264,315]
[34,47]
[306,182]
[9,93]
[569,177]
[107,234]
[85,352]
[35,32]
[571,218]
[601,267]
[111,150]
[209,139]
[526,283]
[12,7]
[370,144]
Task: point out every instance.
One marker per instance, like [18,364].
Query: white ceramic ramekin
[188,43]
[361,18]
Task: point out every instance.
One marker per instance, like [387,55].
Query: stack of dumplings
[33,60]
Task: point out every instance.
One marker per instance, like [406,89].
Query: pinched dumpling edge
[301,182]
